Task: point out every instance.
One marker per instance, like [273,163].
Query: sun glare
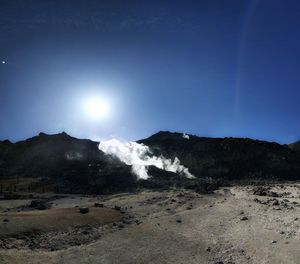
[96,108]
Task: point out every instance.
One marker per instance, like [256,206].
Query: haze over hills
[67,164]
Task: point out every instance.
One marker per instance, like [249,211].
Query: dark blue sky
[211,68]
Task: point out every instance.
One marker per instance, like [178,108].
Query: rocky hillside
[228,158]
[64,163]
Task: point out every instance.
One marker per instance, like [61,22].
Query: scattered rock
[260,191]
[178,221]
[275,202]
[120,226]
[39,204]
[5,220]
[273,194]
[259,201]
[274,241]
[84,210]
[118,208]
[264,191]
[244,218]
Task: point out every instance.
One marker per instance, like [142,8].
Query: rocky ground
[240,224]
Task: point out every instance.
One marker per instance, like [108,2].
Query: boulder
[84,210]
[39,204]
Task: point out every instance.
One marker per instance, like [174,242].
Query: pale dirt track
[184,227]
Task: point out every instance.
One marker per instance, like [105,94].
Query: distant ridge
[63,162]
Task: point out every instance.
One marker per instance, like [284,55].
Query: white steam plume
[140,157]
[185,136]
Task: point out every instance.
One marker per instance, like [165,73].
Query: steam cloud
[185,136]
[140,157]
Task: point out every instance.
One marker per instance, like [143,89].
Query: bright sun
[96,108]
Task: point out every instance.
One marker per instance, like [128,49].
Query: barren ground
[230,226]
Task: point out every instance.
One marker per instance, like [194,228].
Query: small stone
[84,210]
[274,241]
[178,221]
[120,226]
[118,208]
[244,218]
[5,220]
[99,205]
[208,249]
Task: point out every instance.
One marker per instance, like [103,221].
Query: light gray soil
[232,225]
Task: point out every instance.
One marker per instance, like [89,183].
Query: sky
[209,68]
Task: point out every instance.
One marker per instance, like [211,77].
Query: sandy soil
[230,226]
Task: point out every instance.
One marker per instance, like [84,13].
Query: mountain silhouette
[63,163]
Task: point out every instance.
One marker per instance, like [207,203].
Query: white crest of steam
[139,156]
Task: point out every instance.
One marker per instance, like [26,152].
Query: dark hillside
[229,158]
[66,163]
